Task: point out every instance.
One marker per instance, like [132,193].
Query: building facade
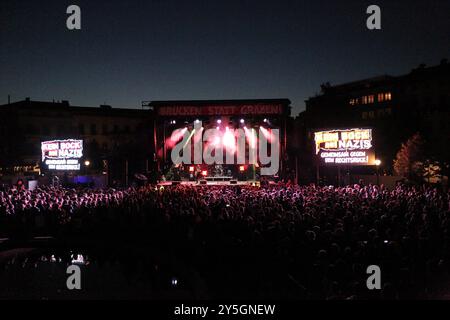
[396,107]
[111,138]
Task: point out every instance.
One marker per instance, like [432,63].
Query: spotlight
[204,173]
[191,169]
[265,120]
[219,121]
[241,168]
[242,121]
[217,128]
[229,141]
[216,141]
[197,121]
[87,163]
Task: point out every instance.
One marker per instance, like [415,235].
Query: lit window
[388,96]
[370,99]
[380,97]
[364,115]
[364,100]
[354,101]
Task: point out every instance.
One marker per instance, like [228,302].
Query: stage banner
[221,110]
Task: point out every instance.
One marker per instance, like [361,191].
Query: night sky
[129,51]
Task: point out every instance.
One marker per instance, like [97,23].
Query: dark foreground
[283,242]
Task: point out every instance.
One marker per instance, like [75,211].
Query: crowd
[279,241]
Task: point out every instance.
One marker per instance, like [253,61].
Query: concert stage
[194,137]
[210,183]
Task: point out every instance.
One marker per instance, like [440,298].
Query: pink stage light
[197,136]
[216,141]
[229,141]
[267,134]
[251,138]
[176,136]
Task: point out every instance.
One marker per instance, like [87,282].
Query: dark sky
[129,51]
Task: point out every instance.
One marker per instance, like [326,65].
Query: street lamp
[377,164]
[87,163]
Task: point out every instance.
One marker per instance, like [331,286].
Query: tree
[409,162]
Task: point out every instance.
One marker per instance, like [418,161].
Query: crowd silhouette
[278,241]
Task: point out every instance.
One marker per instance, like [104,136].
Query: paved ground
[35,273]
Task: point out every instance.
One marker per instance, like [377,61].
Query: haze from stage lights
[233,141]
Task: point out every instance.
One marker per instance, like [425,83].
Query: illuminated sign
[62,154]
[347,146]
[221,110]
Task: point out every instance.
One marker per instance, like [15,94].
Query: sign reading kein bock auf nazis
[345,146]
